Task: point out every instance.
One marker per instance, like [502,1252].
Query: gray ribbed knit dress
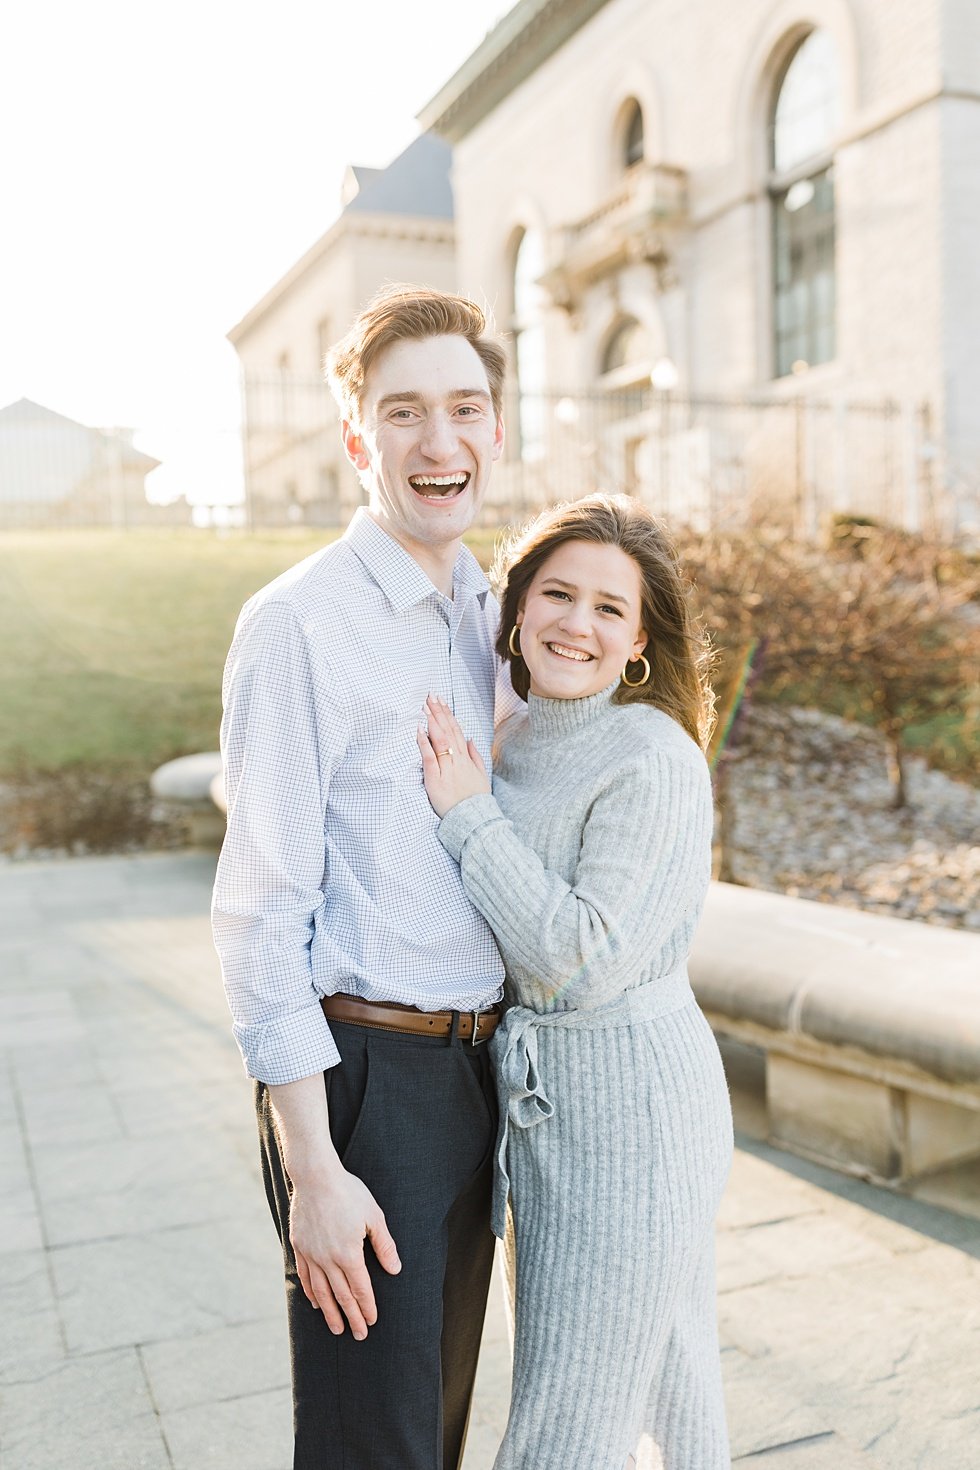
[591,863]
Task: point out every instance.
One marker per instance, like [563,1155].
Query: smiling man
[362,982]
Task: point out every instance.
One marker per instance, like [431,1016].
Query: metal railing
[726,461]
[707,462]
[701,461]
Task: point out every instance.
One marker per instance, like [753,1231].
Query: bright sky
[163,166]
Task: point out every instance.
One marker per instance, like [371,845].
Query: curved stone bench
[186,783]
[870,1027]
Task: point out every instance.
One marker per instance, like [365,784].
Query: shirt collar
[399,575]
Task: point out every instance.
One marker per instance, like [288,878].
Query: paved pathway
[139,1290]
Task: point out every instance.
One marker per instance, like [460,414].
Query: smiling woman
[608,571]
[575,637]
[590,860]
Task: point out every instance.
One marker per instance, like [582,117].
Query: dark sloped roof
[365,176]
[415,183]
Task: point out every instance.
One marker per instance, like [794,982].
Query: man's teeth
[581,658]
[442,483]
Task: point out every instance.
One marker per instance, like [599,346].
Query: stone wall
[907,177]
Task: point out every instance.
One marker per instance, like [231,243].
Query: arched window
[627,352]
[633,136]
[805,120]
[529,343]
[624,381]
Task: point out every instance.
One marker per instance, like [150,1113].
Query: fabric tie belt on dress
[523,1101]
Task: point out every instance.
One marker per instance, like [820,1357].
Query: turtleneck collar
[549,717]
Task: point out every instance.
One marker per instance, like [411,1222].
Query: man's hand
[331,1213]
[452,767]
[328,1224]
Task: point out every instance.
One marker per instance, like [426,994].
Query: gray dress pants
[415,1118]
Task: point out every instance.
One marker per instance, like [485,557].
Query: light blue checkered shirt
[331,877]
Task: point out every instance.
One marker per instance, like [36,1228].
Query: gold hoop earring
[514,633]
[635,683]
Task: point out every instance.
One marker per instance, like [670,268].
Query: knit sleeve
[643,869]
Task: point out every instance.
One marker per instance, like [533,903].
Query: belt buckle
[474,1039]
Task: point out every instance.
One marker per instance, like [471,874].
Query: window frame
[528,330]
[815,234]
[628,144]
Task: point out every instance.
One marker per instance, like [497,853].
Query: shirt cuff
[298,1045]
[465,818]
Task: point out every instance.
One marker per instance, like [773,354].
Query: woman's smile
[580,620]
[573,653]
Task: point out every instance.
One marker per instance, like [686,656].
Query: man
[362,983]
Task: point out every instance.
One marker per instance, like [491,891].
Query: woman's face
[580,620]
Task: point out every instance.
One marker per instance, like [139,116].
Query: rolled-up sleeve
[283,730]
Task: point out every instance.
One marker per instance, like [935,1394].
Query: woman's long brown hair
[677,647]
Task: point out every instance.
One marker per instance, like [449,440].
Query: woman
[591,861]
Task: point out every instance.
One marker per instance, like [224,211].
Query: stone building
[55,472]
[736,248]
[396,224]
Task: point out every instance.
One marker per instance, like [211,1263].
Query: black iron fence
[724,461]
[296,472]
[702,461]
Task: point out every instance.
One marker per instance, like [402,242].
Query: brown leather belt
[390,1016]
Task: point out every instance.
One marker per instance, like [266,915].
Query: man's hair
[400,313]
[677,648]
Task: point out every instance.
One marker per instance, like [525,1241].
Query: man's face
[427,439]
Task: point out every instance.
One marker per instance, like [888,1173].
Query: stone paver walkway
[139,1287]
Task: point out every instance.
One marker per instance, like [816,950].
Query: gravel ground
[811,816]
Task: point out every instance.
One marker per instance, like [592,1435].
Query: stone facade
[681,240]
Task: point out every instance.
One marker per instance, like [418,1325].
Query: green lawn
[112,645]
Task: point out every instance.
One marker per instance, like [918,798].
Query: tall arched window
[624,368]
[805,120]
[529,344]
[627,352]
[633,136]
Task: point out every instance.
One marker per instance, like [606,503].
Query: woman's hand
[451,765]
